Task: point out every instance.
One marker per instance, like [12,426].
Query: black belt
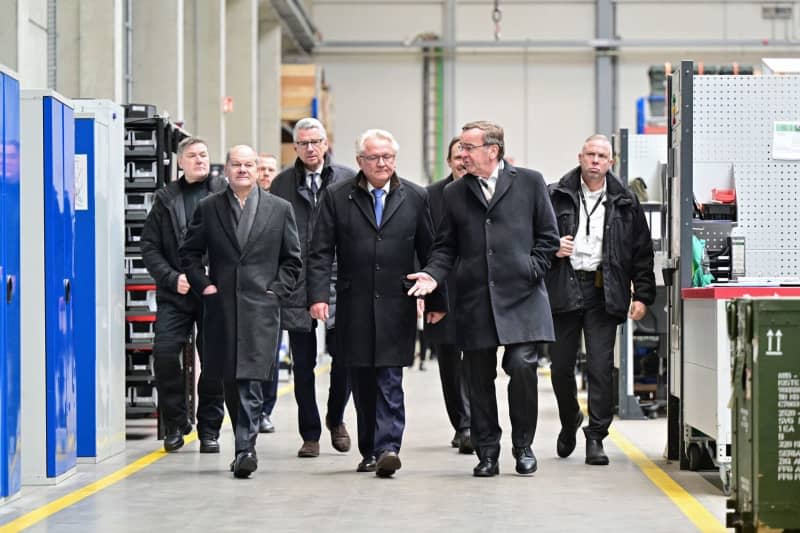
[586,275]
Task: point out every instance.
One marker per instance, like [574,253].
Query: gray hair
[375,134]
[309,123]
[492,134]
[602,138]
[187,142]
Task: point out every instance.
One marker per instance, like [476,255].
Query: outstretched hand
[424,284]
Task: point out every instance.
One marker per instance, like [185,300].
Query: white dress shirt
[588,251]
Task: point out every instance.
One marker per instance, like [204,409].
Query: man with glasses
[375,224]
[302,185]
[179,308]
[499,226]
[250,239]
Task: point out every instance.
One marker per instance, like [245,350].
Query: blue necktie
[314,188]
[378,204]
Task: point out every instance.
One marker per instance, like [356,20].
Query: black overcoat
[375,319]
[505,247]
[242,321]
[444,331]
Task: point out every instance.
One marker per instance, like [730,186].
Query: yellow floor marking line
[49,509]
[694,510]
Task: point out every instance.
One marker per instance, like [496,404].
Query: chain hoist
[497,16]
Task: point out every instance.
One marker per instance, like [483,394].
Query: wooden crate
[299,86]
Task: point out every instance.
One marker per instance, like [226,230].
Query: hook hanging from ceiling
[497,16]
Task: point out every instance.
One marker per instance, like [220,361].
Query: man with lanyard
[605,249]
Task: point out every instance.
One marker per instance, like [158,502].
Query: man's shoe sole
[213,448]
[247,466]
[387,466]
[174,447]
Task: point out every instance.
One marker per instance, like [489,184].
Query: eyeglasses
[470,147]
[311,142]
[387,158]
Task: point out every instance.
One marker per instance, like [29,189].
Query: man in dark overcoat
[375,224]
[500,226]
[250,237]
[302,186]
[179,308]
[443,333]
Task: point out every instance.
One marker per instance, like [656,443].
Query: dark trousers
[269,388]
[304,358]
[172,330]
[380,408]
[600,331]
[520,363]
[243,399]
[454,385]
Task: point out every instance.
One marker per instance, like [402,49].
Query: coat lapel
[262,219]
[393,202]
[364,203]
[475,187]
[226,218]
[504,181]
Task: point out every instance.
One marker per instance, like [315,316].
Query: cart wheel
[695,456]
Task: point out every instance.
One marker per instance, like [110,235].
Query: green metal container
[765,352]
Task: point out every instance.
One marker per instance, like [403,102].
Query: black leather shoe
[209,445]
[487,467]
[565,444]
[245,464]
[594,452]
[265,425]
[465,446]
[367,464]
[526,461]
[456,442]
[173,439]
[388,463]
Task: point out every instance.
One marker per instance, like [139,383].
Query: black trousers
[172,329]
[304,358]
[600,331]
[380,408]
[454,385]
[243,398]
[520,362]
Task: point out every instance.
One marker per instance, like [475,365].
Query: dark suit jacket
[505,247]
[444,331]
[242,321]
[375,319]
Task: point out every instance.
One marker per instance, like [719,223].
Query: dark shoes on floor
[173,439]
[340,438]
[310,448]
[565,444]
[367,464]
[265,425]
[209,445]
[463,441]
[594,452]
[388,463]
[245,464]
[487,467]
[526,461]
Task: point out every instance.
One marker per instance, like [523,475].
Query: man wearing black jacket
[302,186]
[605,249]
[179,309]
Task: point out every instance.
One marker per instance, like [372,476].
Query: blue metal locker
[10,470]
[48,355]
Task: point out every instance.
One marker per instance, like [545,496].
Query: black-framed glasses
[470,147]
[310,142]
[387,158]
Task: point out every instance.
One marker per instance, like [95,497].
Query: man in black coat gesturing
[605,248]
[179,309]
[250,237]
[302,186]
[499,225]
[375,225]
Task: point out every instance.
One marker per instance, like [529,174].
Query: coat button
[488,221]
[377,267]
[377,296]
[491,283]
[490,252]
[379,238]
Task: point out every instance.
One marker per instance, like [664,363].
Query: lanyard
[586,208]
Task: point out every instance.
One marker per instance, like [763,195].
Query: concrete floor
[434,491]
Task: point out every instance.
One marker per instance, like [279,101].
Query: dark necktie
[314,188]
[378,193]
[487,187]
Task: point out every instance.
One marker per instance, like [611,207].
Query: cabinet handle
[67,290]
[9,288]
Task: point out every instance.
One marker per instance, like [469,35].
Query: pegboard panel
[734,118]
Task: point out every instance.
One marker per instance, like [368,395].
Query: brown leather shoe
[310,448]
[340,439]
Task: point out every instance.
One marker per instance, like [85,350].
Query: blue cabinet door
[10,471]
[59,219]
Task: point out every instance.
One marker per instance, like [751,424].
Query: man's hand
[637,310]
[319,311]
[424,284]
[211,289]
[420,307]
[567,246]
[435,316]
[183,284]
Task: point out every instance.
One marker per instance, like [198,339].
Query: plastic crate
[141,174]
[139,201]
[141,297]
[133,233]
[134,266]
[141,328]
